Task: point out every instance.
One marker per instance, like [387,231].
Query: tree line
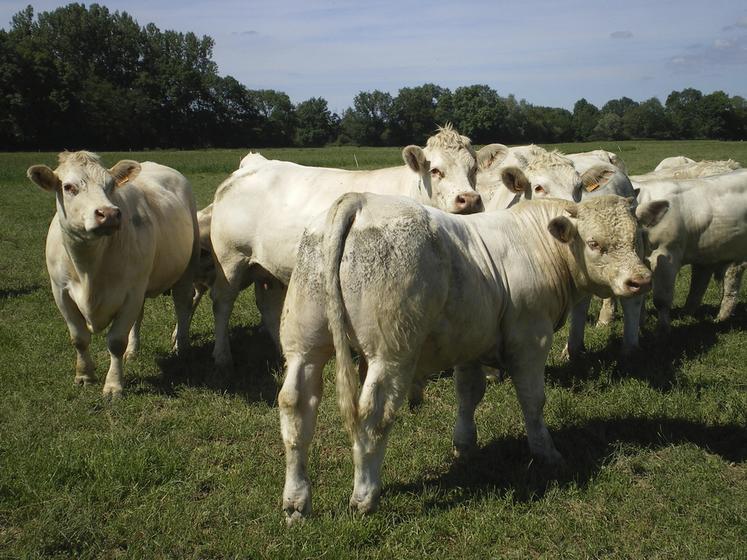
[83,76]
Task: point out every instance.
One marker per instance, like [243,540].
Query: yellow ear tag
[591,187]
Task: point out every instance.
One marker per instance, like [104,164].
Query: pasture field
[188,465]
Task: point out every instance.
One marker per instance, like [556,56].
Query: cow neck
[88,255]
[549,259]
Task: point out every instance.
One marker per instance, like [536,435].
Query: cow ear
[44,177]
[491,155]
[562,229]
[125,170]
[415,159]
[597,176]
[514,180]
[650,213]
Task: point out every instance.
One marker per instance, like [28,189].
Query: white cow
[533,172]
[415,290]
[585,160]
[681,167]
[706,227]
[260,212]
[119,236]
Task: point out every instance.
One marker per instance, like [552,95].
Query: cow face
[448,168]
[84,190]
[605,239]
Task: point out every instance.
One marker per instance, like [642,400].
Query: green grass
[190,466]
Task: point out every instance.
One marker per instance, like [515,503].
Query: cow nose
[468,203]
[638,283]
[108,216]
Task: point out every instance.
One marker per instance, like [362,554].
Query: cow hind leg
[133,341]
[731,286]
[270,296]
[469,381]
[575,346]
[382,395]
[298,402]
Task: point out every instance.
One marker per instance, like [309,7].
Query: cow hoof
[129,354]
[366,505]
[603,323]
[112,391]
[569,355]
[84,380]
[295,516]
[463,452]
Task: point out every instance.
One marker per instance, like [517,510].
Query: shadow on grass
[661,356]
[8,293]
[256,364]
[505,465]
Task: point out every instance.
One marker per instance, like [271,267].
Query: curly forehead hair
[448,138]
[541,158]
[88,161]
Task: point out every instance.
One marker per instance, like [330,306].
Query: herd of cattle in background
[460,258]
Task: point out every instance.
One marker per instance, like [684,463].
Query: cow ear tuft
[44,177]
[562,229]
[650,213]
[415,159]
[125,170]
[514,180]
[491,155]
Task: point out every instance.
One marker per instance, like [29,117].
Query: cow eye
[539,189]
[436,172]
[593,245]
[70,189]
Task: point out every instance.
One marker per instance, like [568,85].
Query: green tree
[608,127]
[368,122]
[414,113]
[683,110]
[479,113]
[317,125]
[585,118]
[278,117]
[647,120]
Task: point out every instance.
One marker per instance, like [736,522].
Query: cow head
[541,174]
[84,189]
[604,237]
[448,168]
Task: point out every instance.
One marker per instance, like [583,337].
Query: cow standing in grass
[260,212]
[415,290]
[119,235]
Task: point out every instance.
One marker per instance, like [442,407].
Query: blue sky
[547,52]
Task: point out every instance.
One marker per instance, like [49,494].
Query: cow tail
[340,219]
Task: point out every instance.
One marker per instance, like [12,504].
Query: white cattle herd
[459,258]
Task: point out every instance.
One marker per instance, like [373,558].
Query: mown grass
[188,465]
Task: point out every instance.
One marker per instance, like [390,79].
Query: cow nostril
[117,213]
[461,200]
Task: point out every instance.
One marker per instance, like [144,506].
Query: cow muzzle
[637,284]
[468,203]
[108,220]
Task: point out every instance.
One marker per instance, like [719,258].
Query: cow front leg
[607,312]
[664,267]
[631,308]
[730,291]
[469,381]
[527,368]
[575,346]
[699,278]
[382,395]
[223,295]
[116,341]
[80,336]
[182,293]
[298,402]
